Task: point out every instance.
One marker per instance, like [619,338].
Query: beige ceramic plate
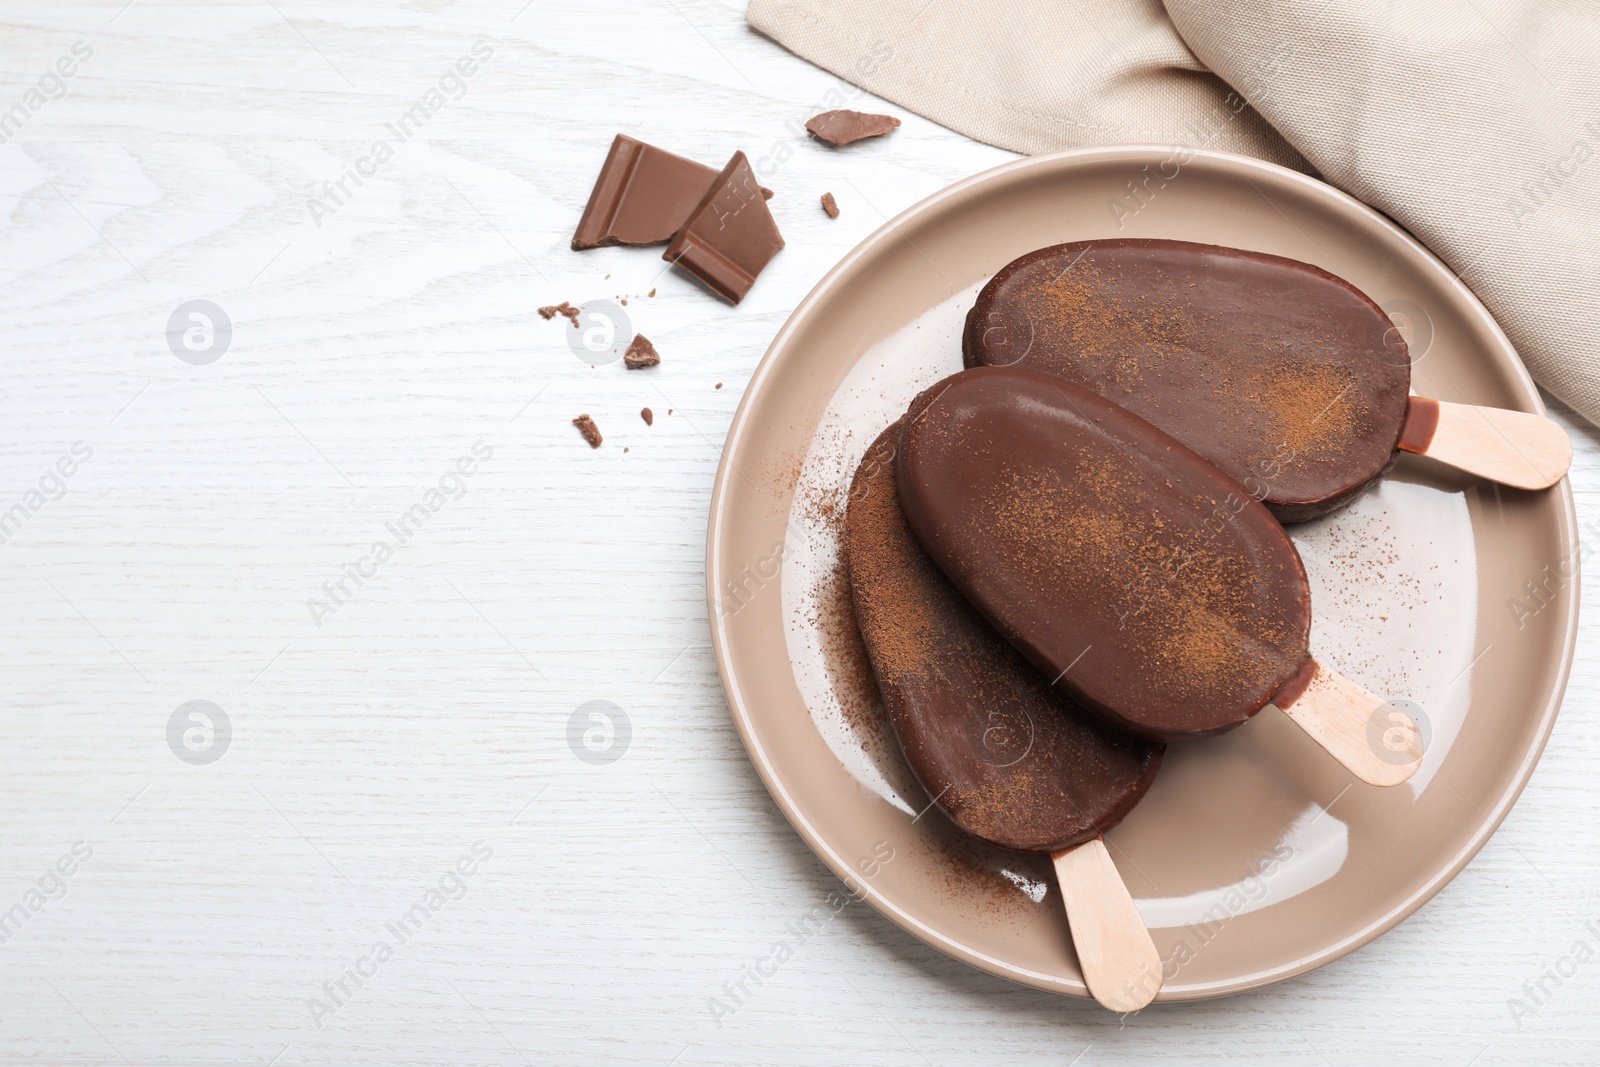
[1254,858]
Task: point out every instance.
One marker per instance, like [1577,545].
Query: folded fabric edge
[875,67]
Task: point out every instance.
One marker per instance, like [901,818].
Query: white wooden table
[378,741]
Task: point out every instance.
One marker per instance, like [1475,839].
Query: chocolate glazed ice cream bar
[1008,758]
[1138,577]
[1288,378]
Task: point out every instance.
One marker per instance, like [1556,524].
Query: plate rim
[837,863]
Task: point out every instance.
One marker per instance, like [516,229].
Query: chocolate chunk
[1133,573]
[590,431]
[845,127]
[641,197]
[550,311]
[830,205]
[641,353]
[648,416]
[730,236]
[1004,755]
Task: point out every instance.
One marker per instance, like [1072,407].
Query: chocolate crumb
[830,205]
[651,293]
[641,353]
[624,448]
[719,385]
[550,311]
[669,411]
[590,431]
[624,301]
[648,416]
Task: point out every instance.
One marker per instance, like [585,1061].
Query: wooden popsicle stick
[1515,448]
[1120,963]
[1378,744]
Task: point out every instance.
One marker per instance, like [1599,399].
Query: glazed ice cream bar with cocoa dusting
[1005,756]
[1134,574]
[1288,378]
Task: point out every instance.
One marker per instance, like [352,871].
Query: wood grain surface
[402,766]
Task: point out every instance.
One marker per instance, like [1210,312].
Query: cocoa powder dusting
[1284,377]
[1173,590]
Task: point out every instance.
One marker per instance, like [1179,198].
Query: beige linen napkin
[1475,124]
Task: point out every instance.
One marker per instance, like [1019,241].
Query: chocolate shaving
[847,127]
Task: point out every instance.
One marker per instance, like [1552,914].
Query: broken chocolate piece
[830,205]
[640,353]
[590,431]
[648,416]
[845,127]
[730,236]
[641,197]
